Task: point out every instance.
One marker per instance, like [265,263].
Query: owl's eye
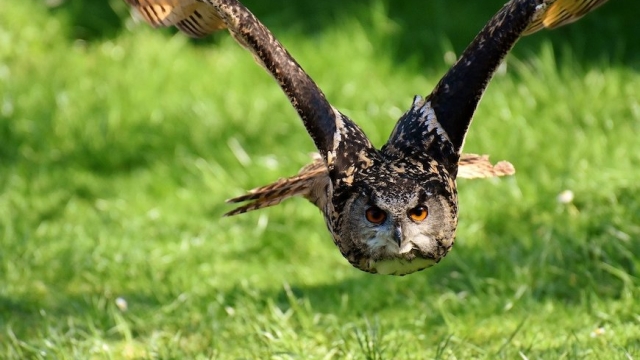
[375,215]
[418,213]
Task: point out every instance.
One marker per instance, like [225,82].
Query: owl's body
[392,210]
[404,180]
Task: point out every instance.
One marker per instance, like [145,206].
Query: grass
[118,151]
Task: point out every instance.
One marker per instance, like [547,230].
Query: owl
[392,210]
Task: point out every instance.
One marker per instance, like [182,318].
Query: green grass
[117,152]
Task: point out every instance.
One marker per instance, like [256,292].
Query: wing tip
[505,168]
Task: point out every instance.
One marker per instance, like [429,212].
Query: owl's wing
[449,109]
[308,179]
[562,12]
[456,96]
[309,182]
[195,18]
[435,127]
[472,166]
[338,139]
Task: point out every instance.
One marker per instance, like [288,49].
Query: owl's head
[397,219]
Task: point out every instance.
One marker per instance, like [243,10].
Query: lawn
[119,144]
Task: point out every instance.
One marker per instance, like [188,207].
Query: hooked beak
[397,235]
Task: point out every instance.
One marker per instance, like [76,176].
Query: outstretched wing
[302,184]
[563,12]
[456,96]
[338,139]
[310,180]
[195,18]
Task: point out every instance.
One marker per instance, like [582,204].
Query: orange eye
[418,213]
[375,215]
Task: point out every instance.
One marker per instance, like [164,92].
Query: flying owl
[392,210]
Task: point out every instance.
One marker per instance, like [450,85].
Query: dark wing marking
[456,96]
[338,139]
[563,12]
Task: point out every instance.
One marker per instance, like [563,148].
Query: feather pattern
[194,18]
[562,12]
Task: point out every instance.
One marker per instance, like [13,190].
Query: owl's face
[400,225]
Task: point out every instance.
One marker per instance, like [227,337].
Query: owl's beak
[397,235]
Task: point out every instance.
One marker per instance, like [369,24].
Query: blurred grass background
[119,144]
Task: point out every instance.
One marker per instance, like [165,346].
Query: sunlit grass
[116,156]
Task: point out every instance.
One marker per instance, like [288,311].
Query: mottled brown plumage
[392,210]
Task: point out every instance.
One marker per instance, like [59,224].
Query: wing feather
[195,18]
[563,12]
[302,184]
[332,132]
[458,93]
[472,166]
